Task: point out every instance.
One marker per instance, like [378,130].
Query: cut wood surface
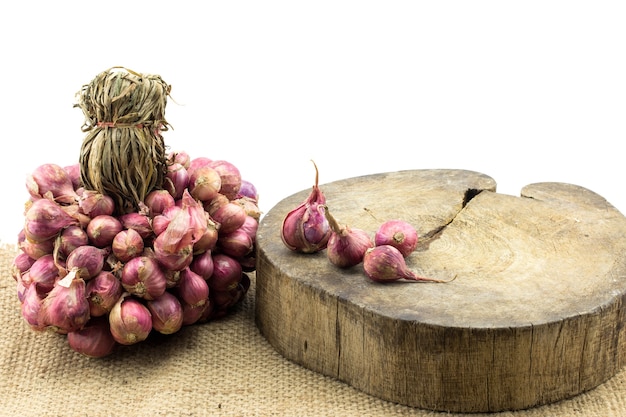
[535,314]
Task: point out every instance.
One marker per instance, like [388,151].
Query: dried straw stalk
[123,154]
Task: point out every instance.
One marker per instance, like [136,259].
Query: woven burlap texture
[220,368]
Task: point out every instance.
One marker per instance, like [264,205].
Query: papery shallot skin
[173,258]
[179,157]
[174,246]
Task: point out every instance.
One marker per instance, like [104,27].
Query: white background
[522,91]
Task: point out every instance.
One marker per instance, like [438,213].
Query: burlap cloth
[221,368]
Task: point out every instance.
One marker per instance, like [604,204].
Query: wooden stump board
[535,314]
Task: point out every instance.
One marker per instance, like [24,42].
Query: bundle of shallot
[106,279]
[134,238]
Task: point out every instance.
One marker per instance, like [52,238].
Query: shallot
[31,307]
[230,216]
[179,157]
[250,226]
[130,321]
[36,250]
[93,203]
[73,171]
[176,180]
[398,233]
[248,190]
[65,308]
[171,278]
[138,222]
[208,240]
[43,274]
[202,264]
[158,200]
[127,244]
[192,288]
[385,263]
[230,177]
[102,230]
[237,243]
[167,313]
[204,183]
[45,219]
[226,273]
[21,263]
[51,180]
[103,291]
[87,260]
[94,339]
[305,229]
[223,300]
[71,238]
[197,162]
[142,276]
[346,246]
[250,206]
[193,314]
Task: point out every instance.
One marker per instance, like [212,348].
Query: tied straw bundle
[123,154]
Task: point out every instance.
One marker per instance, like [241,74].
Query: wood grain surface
[535,314]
